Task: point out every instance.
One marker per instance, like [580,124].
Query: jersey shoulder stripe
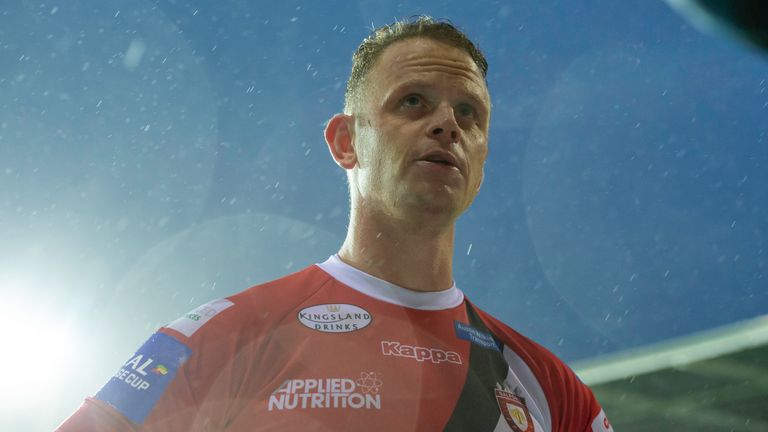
[477,400]
[570,402]
[190,322]
[255,308]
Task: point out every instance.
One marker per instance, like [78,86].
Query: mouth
[443,158]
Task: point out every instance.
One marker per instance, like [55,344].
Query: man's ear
[482,177]
[339,133]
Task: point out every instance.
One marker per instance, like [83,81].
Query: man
[377,337]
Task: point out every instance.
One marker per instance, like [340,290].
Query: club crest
[514,410]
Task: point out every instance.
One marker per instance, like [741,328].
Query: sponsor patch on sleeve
[191,322]
[601,423]
[137,386]
[477,337]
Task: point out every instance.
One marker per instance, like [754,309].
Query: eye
[465,110]
[412,101]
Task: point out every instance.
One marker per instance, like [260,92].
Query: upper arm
[578,405]
[150,387]
[163,385]
[572,405]
[94,415]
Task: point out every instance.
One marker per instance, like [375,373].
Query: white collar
[389,292]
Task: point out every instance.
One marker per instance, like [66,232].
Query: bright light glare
[38,351]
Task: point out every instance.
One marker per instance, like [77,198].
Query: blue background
[155,155]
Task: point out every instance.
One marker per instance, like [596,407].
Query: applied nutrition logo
[361,392]
[334,318]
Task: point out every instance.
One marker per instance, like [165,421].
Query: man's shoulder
[570,402]
[534,354]
[555,382]
[285,291]
[254,309]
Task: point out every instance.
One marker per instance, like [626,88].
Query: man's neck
[411,256]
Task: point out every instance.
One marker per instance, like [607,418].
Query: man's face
[421,130]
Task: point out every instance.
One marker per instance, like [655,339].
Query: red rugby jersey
[331,348]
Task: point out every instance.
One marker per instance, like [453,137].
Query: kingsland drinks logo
[334,318]
[363,392]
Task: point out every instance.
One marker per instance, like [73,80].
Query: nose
[443,126]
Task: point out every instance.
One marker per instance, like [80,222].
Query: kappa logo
[334,318]
[421,354]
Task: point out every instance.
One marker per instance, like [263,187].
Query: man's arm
[572,405]
[94,415]
[164,384]
[147,393]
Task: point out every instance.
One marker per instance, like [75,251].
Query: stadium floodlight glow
[39,347]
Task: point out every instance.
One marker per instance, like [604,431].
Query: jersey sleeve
[94,415]
[197,373]
[161,386]
[575,407]
[572,405]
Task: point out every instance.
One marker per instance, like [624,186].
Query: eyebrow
[416,83]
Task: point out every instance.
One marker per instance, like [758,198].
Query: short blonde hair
[421,26]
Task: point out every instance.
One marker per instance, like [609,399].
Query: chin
[435,203]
